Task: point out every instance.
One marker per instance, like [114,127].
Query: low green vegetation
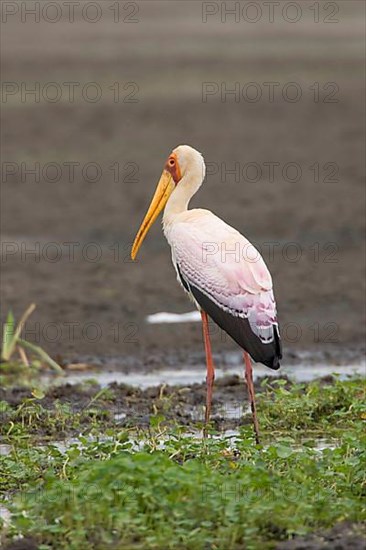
[319,407]
[316,409]
[14,349]
[162,488]
[32,422]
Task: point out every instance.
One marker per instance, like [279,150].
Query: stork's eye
[171,162]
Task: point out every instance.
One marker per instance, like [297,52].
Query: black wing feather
[239,329]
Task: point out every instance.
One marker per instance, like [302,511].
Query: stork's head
[184,169]
[189,161]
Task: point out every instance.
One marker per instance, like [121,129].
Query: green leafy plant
[310,407]
[161,487]
[12,342]
[112,493]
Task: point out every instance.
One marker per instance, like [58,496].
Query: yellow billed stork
[222,272]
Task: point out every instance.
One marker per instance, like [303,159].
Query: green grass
[317,406]
[32,422]
[189,495]
[12,344]
[162,489]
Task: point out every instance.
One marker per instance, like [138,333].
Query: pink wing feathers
[225,267]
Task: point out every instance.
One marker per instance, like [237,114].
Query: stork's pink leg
[250,385]
[210,377]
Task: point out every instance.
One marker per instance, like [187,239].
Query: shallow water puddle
[229,411]
[197,375]
[231,436]
[4,449]
[5,515]
[322,443]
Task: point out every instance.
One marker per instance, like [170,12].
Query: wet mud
[124,406]
[95,302]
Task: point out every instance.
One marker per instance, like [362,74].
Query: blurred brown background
[95,301]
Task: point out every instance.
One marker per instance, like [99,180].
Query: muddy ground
[93,302]
[345,536]
[131,407]
[125,406]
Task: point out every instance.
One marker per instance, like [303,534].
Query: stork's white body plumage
[221,270]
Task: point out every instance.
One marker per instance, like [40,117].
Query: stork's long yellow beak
[163,191]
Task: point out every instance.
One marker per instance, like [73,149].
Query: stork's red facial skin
[172,167]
